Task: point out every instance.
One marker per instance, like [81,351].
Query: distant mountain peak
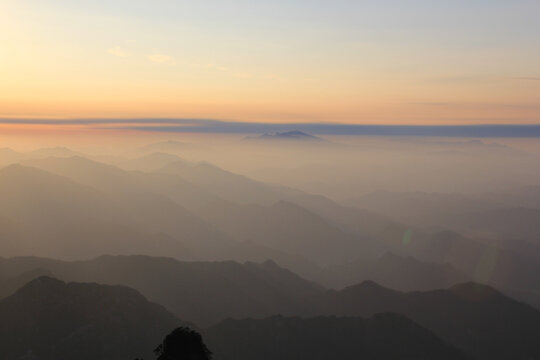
[8,150]
[286,135]
[41,284]
[18,170]
[368,287]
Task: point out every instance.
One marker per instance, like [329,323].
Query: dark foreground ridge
[49,319]
[474,318]
[383,336]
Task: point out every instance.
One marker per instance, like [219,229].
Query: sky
[385,62]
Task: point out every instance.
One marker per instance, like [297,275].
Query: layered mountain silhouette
[56,216]
[500,215]
[104,255]
[151,162]
[290,228]
[9,156]
[73,208]
[222,183]
[475,318]
[202,292]
[167,206]
[484,261]
[51,319]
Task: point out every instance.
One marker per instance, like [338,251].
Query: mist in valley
[220,228]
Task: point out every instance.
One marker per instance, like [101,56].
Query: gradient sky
[366,62]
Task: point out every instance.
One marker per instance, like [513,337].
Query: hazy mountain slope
[505,223]
[283,226]
[484,262]
[488,216]
[520,197]
[222,183]
[384,336]
[150,162]
[419,207]
[521,247]
[12,237]
[473,317]
[59,217]
[290,228]
[42,207]
[48,319]
[58,151]
[241,189]
[363,223]
[396,272]
[488,263]
[150,205]
[45,199]
[202,292]
[129,184]
[9,156]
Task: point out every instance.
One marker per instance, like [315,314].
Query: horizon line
[217,126]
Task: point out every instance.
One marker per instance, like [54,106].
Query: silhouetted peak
[59,151]
[14,168]
[18,171]
[7,150]
[270,264]
[77,159]
[158,155]
[294,134]
[370,284]
[368,287]
[286,135]
[41,285]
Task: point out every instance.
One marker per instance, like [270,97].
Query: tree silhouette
[183,344]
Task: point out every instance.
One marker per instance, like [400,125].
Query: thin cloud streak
[214,126]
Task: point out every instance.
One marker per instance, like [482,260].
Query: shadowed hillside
[384,337]
[48,319]
[202,292]
[473,317]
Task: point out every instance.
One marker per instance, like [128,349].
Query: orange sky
[349,63]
